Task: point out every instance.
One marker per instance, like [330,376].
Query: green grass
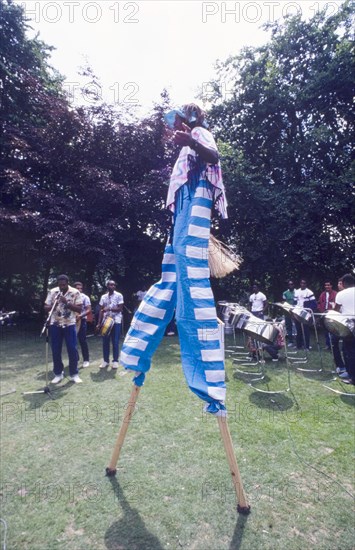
[173,488]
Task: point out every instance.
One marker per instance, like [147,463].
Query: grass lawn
[173,488]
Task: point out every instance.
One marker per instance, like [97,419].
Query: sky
[136,49]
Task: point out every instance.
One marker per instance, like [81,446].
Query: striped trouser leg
[151,319]
[202,352]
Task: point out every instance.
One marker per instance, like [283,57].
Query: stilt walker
[196,188]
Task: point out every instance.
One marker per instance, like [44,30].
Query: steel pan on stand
[339,325]
[224,312]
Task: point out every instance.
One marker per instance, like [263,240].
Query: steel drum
[106,326]
[301,315]
[286,306]
[339,325]
[238,316]
[258,329]
[225,311]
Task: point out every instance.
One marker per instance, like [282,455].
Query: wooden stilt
[243,507]
[111,468]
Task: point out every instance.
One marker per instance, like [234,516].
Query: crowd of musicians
[68,309]
[303,298]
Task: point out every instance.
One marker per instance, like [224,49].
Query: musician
[345,304]
[68,303]
[279,342]
[258,302]
[195,189]
[86,309]
[326,301]
[111,305]
[304,298]
[289,297]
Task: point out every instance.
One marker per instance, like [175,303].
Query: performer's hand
[183,138]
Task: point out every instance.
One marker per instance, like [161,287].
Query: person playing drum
[304,298]
[345,304]
[86,310]
[111,306]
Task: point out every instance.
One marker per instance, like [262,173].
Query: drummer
[258,302]
[345,304]
[304,298]
[111,305]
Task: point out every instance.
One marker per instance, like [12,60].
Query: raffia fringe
[222,259]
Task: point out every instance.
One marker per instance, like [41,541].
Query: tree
[287,160]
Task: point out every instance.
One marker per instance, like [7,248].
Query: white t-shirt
[257,301]
[346,299]
[302,295]
[113,300]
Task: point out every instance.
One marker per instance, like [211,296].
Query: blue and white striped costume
[185,285]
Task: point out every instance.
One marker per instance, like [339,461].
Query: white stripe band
[201,212]
[161,293]
[149,328]
[151,311]
[215,375]
[198,231]
[217,393]
[168,277]
[128,359]
[197,252]
[198,272]
[210,355]
[203,192]
[168,259]
[205,313]
[198,293]
[208,334]
[136,343]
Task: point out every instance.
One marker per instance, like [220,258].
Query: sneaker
[344,375]
[103,365]
[170,333]
[115,365]
[76,379]
[57,378]
[275,359]
[348,381]
[340,370]
[290,345]
[86,364]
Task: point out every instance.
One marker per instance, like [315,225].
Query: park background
[83,185]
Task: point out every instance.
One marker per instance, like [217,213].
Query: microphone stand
[46,389]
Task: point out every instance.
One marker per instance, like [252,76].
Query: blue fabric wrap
[184,286]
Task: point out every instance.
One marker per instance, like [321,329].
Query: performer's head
[63,282]
[194,116]
[190,114]
[291,285]
[111,286]
[79,286]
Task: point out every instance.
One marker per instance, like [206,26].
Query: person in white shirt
[258,302]
[83,316]
[111,305]
[345,304]
[304,298]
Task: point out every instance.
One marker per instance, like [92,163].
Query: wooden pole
[111,468]
[242,504]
